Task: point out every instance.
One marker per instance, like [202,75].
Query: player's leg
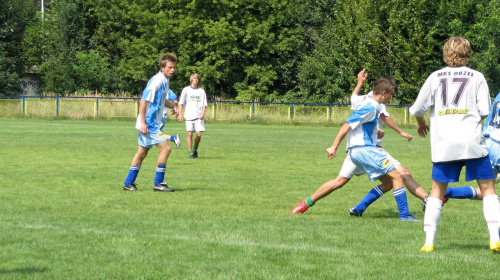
[378,165]
[199,128]
[399,193]
[410,183]
[480,169]
[190,143]
[432,214]
[442,175]
[190,128]
[324,190]
[464,192]
[197,140]
[161,167]
[346,172]
[174,138]
[368,199]
[135,166]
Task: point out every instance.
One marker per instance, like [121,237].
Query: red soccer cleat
[300,208]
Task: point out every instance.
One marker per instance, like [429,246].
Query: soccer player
[149,123]
[459,99]
[194,102]
[384,89]
[491,130]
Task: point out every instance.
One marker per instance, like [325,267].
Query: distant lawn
[64,214]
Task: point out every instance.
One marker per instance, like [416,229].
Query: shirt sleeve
[182,99]
[151,89]
[483,97]
[424,99]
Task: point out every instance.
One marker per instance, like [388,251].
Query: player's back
[458,97]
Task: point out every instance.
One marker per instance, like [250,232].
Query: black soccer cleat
[424,202]
[131,187]
[354,212]
[162,187]
[195,154]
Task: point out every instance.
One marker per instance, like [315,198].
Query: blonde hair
[457,51]
[167,57]
[194,75]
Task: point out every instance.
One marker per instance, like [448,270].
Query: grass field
[64,215]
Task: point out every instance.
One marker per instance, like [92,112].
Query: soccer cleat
[424,202]
[427,248]
[131,187]
[353,212]
[191,156]
[300,208]
[409,218]
[195,154]
[162,187]
[177,141]
[495,246]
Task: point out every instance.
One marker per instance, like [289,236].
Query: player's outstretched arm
[390,123]
[361,80]
[331,151]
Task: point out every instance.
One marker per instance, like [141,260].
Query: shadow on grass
[189,189]
[23,270]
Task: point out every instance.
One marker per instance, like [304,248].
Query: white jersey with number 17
[457,98]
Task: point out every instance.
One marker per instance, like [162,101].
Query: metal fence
[229,111]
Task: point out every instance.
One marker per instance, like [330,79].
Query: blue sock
[400,196]
[369,198]
[172,138]
[132,175]
[461,192]
[160,173]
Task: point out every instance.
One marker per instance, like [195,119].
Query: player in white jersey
[459,99]
[149,124]
[194,102]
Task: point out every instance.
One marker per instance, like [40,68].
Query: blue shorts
[151,138]
[449,172]
[372,160]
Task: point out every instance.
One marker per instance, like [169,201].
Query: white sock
[491,210]
[431,219]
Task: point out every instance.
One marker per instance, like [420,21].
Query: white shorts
[349,168]
[196,125]
[151,138]
[372,160]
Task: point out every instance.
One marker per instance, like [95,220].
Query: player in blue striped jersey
[149,125]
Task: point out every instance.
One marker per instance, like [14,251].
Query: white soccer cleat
[177,141]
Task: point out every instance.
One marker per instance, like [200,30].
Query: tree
[14,16]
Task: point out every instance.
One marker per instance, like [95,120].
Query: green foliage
[14,17]
[403,40]
[270,50]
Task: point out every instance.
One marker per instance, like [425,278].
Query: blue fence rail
[116,107]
